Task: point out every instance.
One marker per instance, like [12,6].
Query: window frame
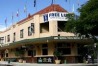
[8,38]
[29,31]
[14,36]
[21,33]
[44,47]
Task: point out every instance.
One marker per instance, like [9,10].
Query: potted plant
[20,53]
[57,55]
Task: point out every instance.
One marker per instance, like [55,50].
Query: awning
[48,39]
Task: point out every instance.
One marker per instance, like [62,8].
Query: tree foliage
[87,23]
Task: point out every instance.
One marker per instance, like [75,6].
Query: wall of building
[37,20]
[51,48]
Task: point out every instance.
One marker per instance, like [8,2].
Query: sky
[10,7]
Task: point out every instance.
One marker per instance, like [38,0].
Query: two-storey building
[39,35]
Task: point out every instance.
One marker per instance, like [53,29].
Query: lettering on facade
[45,60]
[55,37]
[57,15]
[45,17]
[50,60]
[40,60]
[69,37]
[60,16]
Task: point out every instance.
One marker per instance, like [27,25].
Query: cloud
[2,27]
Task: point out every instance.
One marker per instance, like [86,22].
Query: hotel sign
[59,16]
[67,37]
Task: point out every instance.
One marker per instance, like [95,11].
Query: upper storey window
[21,33]
[61,26]
[8,38]
[1,40]
[14,37]
[44,27]
[31,29]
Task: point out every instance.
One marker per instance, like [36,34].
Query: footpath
[4,63]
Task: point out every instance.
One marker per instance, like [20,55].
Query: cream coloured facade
[39,35]
[36,20]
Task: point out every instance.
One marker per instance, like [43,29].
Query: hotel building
[39,35]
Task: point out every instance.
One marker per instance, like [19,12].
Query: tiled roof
[53,7]
[50,8]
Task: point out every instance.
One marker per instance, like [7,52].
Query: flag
[6,22]
[34,3]
[78,3]
[12,16]
[25,9]
[52,2]
[73,8]
[17,13]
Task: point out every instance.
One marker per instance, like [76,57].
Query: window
[64,51]
[44,49]
[44,27]
[6,54]
[31,52]
[32,28]
[64,48]
[1,40]
[2,55]
[29,31]
[14,37]
[5,39]
[21,33]
[61,26]
[8,38]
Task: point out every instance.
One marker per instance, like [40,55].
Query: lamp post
[95,47]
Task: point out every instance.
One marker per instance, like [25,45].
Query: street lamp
[95,46]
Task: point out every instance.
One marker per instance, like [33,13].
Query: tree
[87,22]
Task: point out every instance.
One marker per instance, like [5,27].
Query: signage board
[44,59]
[59,16]
[67,37]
